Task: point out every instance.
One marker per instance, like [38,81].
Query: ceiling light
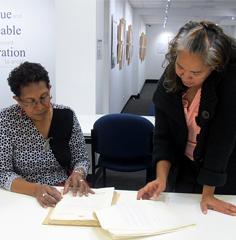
[166,13]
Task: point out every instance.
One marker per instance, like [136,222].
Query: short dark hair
[25,74]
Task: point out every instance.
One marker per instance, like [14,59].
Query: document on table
[140,218]
[79,210]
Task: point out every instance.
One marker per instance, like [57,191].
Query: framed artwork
[113,42]
[99,49]
[129,44]
[142,46]
[121,42]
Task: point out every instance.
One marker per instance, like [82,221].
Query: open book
[76,210]
[139,218]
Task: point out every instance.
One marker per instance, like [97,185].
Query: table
[21,218]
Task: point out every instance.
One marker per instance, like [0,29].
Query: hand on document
[152,189]
[47,196]
[77,184]
[80,210]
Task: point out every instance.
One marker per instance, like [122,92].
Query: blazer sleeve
[221,138]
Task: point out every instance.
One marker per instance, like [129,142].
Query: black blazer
[216,142]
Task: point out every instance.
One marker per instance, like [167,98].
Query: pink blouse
[190,112]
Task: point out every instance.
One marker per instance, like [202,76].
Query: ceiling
[181,11]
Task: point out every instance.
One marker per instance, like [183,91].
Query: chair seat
[125,165]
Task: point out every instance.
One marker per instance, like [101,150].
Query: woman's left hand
[209,201]
[76,183]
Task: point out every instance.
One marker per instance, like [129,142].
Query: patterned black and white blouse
[23,153]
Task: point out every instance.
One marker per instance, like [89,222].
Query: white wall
[81,81]
[120,80]
[128,80]
[36,37]
[103,59]
[157,45]
[76,54]
[84,81]
[230,30]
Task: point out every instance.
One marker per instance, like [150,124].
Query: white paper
[139,218]
[82,208]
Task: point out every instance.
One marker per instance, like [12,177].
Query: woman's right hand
[47,196]
[152,189]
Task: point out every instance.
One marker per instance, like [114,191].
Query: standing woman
[41,144]
[195,104]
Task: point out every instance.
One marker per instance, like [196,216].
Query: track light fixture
[167,8]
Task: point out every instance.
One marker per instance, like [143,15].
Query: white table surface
[87,121]
[21,218]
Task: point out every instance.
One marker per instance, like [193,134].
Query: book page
[139,218]
[82,207]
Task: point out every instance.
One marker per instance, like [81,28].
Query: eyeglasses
[31,104]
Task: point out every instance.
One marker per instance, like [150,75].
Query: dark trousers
[186,177]
[187,173]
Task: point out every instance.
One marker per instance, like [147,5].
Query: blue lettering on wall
[10,52]
[13,30]
[5,15]
[7,51]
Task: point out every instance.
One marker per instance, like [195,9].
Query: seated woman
[41,143]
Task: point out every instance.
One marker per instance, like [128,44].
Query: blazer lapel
[208,100]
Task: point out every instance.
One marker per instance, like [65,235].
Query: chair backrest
[123,135]
[151,110]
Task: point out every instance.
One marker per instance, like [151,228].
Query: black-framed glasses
[32,103]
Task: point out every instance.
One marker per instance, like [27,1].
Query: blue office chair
[151,109]
[124,143]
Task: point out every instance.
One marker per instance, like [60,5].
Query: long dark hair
[203,38]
